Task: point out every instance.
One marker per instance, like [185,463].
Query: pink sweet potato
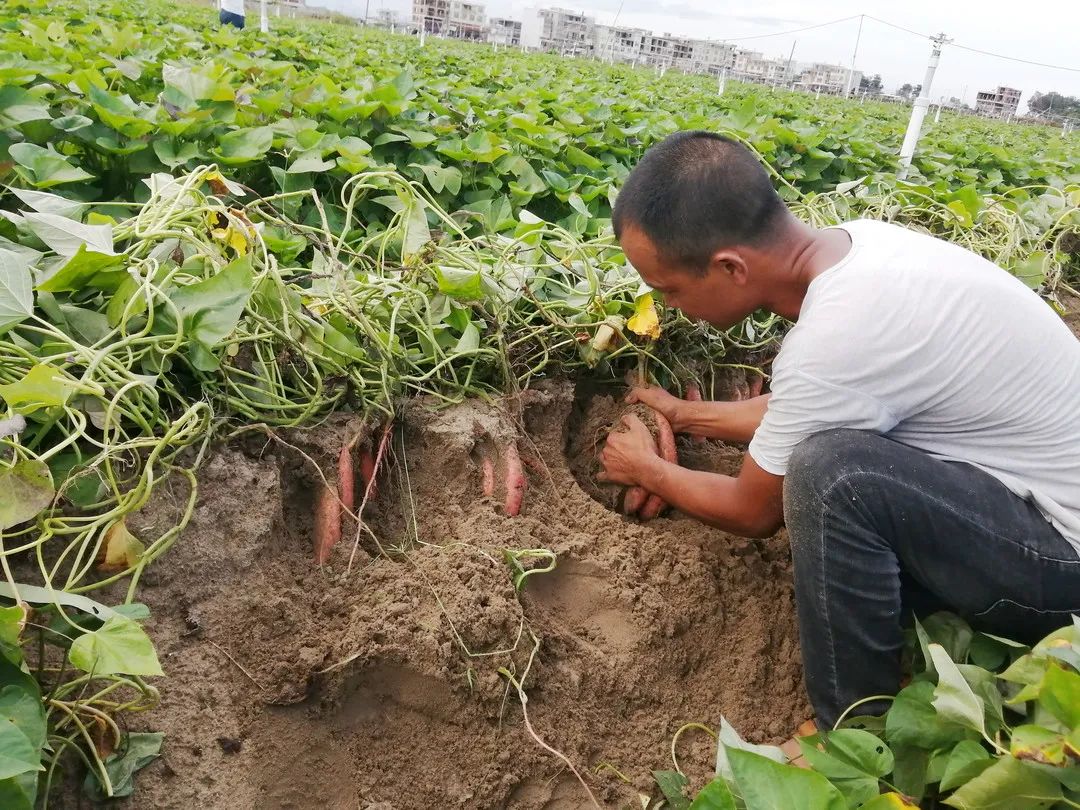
[327,530]
[665,441]
[515,481]
[488,470]
[633,500]
[346,479]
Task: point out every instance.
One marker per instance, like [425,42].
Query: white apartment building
[756,67]
[825,78]
[617,44]
[570,33]
[503,31]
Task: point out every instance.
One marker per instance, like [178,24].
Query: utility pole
[787,70]
[854,53]
[723,82]
[918,109]
[264,20]
[367,12]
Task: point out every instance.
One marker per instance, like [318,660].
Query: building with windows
[619,44]
[712,57]
[450,18]
[754,66]
[570,33]
[431,15]
[467,20]
[503,31]
[821,77]
[1000,103]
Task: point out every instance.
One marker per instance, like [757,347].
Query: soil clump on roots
[296,686]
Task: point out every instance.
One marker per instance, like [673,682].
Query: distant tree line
[1053,103]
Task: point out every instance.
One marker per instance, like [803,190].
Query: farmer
[921,441]
[232,13]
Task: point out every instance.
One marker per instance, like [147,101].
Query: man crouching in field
[921,441]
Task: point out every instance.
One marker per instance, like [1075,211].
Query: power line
[793,30]
[898,27]
[977,50]
[909,31]
[1016,59]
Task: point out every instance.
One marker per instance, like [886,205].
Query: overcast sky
[1038,30]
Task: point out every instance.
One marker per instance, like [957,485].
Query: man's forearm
[726,421]
[709,497]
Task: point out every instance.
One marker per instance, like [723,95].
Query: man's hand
[627,452]
[668,405]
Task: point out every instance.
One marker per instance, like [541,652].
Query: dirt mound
[295,686]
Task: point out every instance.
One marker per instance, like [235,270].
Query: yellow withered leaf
[645,321]
[120,549]
[232,237]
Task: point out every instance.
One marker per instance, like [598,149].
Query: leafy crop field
[296,332]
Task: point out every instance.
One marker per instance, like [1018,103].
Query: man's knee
[820,459]
[818,463]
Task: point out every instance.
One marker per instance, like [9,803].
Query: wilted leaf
[673,785]
[25,490]
[645,321]
[138,750]
[120,549]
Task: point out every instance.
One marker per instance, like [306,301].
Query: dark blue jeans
[229,18]
[879,528]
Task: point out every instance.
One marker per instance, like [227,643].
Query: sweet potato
[665,441]
[633,500]
[327,530]
[488,469]
[515,480]
[757,381]
[346,479]
[367,471]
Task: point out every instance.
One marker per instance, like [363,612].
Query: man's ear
[729,262]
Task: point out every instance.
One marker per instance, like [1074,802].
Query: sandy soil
[296,686]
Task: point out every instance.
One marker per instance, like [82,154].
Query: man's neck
[803,254]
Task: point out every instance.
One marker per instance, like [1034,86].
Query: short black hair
[696,192]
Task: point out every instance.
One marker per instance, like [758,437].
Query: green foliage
[140,749]
[401,221]
[132,91]
[944,740]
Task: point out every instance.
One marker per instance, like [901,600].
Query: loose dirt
[295,686]
[378,685]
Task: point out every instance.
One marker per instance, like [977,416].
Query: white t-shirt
[940,349]
[234,6]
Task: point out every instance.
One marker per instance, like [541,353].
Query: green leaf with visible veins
[714,796]
[953,698]
[17,751]
[1008,784]
[1060,695]
[768,785]
[119,647]
[43,386]
[16,289]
